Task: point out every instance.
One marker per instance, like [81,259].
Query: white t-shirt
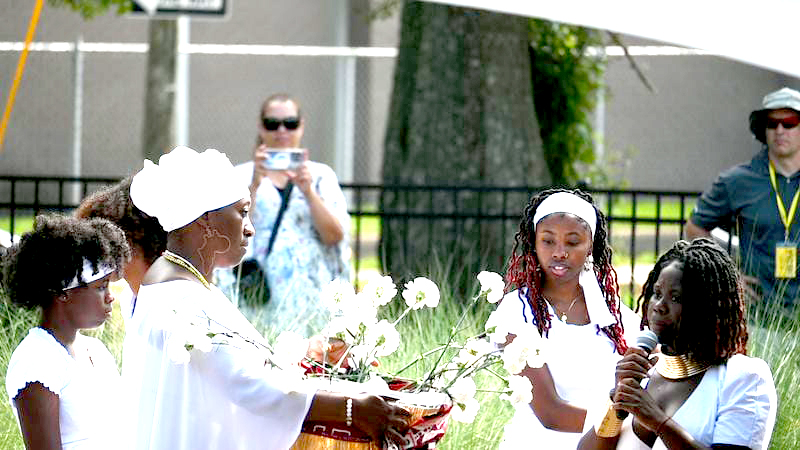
[581,359]
[224,399]
[734,404]
[88,390]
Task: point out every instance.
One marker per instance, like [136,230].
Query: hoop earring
[209,234]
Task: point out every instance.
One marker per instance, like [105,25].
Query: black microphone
[647,341]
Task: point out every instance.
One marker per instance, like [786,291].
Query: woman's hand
[634,365]
[301,175]
[379,418]
[631,397]
[333,350]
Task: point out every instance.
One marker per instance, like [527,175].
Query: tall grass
[773,338]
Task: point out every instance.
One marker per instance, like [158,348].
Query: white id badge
[786,259]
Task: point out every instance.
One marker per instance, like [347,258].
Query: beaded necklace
[679,367]
[180,261]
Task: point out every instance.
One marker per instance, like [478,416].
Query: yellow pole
[37,9]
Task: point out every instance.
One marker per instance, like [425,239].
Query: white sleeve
[34,361]
[747,404]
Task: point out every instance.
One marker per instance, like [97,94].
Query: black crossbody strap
[284,203]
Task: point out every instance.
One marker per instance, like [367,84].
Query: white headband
[88,274]
[565,202]
[186,184]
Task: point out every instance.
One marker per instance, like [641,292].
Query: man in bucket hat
[762,197]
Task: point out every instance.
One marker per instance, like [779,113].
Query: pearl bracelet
[349,412]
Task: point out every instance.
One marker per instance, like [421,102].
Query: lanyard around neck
[787,219]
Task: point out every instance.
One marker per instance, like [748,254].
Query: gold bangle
[610,425]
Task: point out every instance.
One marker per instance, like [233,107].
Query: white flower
[185,335]
[521,390]
[289,349]
[473,351]
[337,295]
[463,390]
[361,355]
[384,337]
[526,349]
[465,412]
[492,285]
[375,384]
[421,292]
[496,328]
[381,290]
[176,350]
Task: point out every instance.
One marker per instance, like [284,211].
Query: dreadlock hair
[36,269]
[524,270]
[114,203]
[713,325]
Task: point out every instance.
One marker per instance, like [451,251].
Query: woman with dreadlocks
[703,391]
[566,290]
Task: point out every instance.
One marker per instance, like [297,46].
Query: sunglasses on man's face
[787,122]
[272,124]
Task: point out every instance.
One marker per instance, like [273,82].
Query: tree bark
[159,118]
[462,113]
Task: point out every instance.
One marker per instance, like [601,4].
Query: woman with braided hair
[63,385]
[703,391]
[566,289]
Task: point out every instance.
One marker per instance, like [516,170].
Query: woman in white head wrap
[224,395]
[566,290]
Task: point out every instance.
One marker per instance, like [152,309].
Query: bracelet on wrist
[349,412]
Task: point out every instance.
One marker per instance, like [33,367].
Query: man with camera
[300,216]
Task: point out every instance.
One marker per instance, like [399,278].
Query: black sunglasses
[787,122]
[272,124]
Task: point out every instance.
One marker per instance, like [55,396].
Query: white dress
[581,359]
[224,399]
[734,404]
[87,388]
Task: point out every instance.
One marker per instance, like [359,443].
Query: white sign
[178,7]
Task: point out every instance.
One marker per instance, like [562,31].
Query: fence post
[77,118]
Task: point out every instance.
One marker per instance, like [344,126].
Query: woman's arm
[369,413]
[553,411]
[37,407]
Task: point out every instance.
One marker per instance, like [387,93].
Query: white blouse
[734,404]
[224,399]
[88,388]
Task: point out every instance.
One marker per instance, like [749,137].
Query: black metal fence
[642,223]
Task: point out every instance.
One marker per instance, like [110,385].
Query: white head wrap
[566,202]
[88,274]
[185,184]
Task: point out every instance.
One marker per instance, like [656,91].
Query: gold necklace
[679,367]
[563,315]
[178,260]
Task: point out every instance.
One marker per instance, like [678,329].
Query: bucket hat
[783,98]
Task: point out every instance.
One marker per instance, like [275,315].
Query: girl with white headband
[225,397]
[566,290]
[63,385]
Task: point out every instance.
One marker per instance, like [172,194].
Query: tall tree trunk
[159,123]
[461,113]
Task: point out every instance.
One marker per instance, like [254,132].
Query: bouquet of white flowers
[448,387]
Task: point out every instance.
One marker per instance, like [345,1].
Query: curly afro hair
[525,271]
[114,203]
[36,269]
[713,325]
